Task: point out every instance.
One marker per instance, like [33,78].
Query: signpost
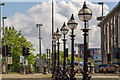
[9,60]
[26,62]
[21,59]
[41,62]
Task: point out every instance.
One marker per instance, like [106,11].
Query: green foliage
[43,56]
[68,59]
[16,41]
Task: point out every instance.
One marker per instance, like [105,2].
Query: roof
[110,14]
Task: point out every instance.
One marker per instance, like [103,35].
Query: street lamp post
[85,15]
[54,39]
[4,42]
[4,28]
[38,26]
[72,24]
[64,30]
[48,59]
[58,36]
[102,34]
[1,4]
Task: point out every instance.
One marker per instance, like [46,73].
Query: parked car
[109,68]
[118,63]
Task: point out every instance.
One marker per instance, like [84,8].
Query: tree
[43,56]
[68,59]
[16,41]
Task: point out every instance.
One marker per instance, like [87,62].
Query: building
[110,36]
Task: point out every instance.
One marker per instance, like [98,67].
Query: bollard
[4,69]
[116,71]
[92,69]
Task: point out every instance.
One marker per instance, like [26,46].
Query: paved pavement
[48,77]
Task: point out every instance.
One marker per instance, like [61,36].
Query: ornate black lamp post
[85,15]
[58,36]
[54,39]
[64,30]
[72,24]
[48,58]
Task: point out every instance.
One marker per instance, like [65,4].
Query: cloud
[41,14]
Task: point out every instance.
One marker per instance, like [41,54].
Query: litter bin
[45,70]
[116,71]
[92,69]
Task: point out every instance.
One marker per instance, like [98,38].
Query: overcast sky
[25,15]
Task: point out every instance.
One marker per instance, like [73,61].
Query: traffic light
[24,51]
[3,51]
[89,53]
[27,51]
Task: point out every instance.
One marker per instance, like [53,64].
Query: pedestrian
[104,70]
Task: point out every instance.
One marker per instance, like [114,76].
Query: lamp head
[64,29]
[85,14]
[72,24]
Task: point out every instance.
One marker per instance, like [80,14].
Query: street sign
[41,62]
[26,57]
[9,60]
[21,59]
[26,62]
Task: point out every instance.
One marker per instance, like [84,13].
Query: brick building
[110,35]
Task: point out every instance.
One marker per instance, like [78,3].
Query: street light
[58,36]
[4,39]
[38,26]
[3,28]
[102,33]
[54,39]
[64,30]
[85,14]
[1,4]
[48,58]
[72,24]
